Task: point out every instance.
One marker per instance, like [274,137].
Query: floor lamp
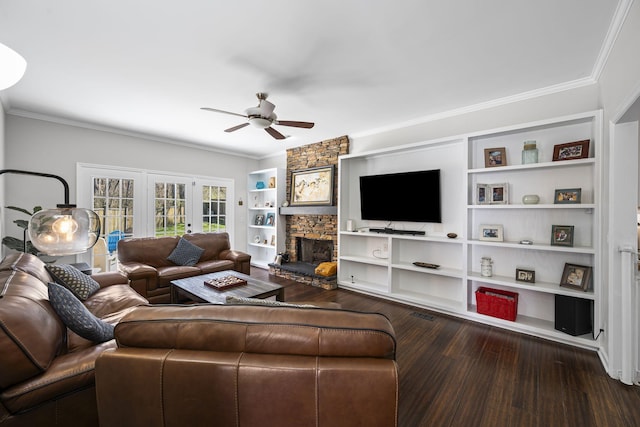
[66,230]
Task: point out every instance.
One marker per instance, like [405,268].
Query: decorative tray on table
[226,282]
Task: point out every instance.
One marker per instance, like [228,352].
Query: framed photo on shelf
[258,220]
[524,275]
[483,194]
[576,276]
[495,157]
[312,187]
[568,196]
[491,233]
[499,194]
[562,235]
[571,150]
[271,219]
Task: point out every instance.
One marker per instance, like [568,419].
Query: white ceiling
[350,66]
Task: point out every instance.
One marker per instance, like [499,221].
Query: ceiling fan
[262,117]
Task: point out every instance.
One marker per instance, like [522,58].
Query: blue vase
[260,185]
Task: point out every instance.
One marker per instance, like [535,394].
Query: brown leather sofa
[47,371]
[144,261]
[238,365]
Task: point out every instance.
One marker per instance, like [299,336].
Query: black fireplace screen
[314,251]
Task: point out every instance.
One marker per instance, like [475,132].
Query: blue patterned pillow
[185,253]
[77,317]
[82,285]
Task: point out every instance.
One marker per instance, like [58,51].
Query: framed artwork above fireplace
[312,187]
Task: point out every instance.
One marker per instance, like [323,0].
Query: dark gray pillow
[80,284]
[77,317]
[185,253]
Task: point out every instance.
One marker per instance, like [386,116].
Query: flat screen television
[405,196]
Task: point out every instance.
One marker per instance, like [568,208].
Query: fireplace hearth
[309,253]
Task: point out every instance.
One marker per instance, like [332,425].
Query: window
[170,208]
[214,208]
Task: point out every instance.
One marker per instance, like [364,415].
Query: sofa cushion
[185,253]
[76,316]
[80,284]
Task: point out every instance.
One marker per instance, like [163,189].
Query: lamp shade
[64,231]
[12,67]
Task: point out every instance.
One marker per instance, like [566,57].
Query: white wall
[619,86]
[43,146]
[2,166]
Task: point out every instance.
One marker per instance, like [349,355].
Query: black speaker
[574,316]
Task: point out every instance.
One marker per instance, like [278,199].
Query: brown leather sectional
[47,373]
[178,365]
[144,261]
[237,365]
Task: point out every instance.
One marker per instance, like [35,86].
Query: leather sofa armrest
[110,278]
[137,270]
[241,260]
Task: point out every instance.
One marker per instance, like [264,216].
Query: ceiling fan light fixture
[260,122]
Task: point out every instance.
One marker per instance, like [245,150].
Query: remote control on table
[425,264]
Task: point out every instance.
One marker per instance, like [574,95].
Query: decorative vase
[530,199]
[486,267]
[260,185]
[529,153]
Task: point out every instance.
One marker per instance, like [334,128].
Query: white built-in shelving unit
[266,190]
[382,265]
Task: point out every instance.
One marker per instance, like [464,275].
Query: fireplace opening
[313,251]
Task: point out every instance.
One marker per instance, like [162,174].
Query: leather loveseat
[239,365]
[47,371]
[145,261]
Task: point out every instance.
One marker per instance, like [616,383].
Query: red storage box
[497,303]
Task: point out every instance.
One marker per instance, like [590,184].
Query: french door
[134,203]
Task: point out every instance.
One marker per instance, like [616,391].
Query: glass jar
[529,153]
[486,266]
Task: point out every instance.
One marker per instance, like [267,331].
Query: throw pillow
[327,269]
[82,285]
[265,302]
[185,253]
[77,317]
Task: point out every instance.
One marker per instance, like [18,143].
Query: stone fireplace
[313,227]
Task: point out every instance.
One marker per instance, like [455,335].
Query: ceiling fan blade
[274,133]
[236,127]
[222,111]
[306,125]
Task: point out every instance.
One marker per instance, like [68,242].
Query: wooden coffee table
[195,289]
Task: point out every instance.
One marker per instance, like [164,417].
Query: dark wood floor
[460,373]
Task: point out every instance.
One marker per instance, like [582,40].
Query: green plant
[18,244]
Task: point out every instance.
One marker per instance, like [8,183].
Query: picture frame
[571,150]
[258,220]
[576,276]
[562,235]
[270,220]
[483,194]
[273,240]
[495,157]
[499,194]
[568,196]
[312,187]
[491,232]
[525,275]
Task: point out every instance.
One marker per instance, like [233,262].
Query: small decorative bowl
[530,199]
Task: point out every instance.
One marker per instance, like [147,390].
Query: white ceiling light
[12,67]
